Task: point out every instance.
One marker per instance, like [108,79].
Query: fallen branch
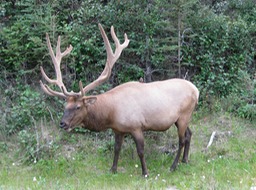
[211,139]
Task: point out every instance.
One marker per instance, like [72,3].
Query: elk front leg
[119,137]
[139,140]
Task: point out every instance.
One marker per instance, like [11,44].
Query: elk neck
[99,115]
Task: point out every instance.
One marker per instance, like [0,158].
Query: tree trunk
[148,74]
[179,43]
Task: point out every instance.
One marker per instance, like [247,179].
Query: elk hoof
[173,168]
[113,170]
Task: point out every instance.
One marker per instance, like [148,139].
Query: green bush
[22,108]
[37,143]
[219,51]
[247,111]
[242,103]
[28,148]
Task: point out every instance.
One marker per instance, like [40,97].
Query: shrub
[242,103]
[22,106]
[219,51]
[38,142]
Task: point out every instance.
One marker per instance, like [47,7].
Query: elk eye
[78,107]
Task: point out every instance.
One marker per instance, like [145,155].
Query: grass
[229,163]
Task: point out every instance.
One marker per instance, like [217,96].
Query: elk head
[77,102]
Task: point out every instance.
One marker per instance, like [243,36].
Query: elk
[130,108]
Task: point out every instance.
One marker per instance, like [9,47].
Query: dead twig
[211,139]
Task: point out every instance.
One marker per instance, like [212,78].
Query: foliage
[243,103]
[22,110]
[21,43]
[219,51]
[37,143]
[122,15]
[215,42]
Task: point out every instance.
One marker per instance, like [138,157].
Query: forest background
[209,42]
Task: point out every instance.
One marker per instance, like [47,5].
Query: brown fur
[135,107]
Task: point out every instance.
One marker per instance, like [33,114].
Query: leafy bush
[219,51]
[28,146]
[242,103]
[3,147]
[247,111]
[37,143]
[23,108]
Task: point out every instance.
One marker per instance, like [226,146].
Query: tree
[173,32]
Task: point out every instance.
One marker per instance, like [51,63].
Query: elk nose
[62,124]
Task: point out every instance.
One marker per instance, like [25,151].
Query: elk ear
[89,100]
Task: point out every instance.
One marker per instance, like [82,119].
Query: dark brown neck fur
[98,118]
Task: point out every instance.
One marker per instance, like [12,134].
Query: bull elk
[130,108]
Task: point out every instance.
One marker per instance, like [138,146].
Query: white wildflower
[158,175]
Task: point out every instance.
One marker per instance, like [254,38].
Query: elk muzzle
[63,125]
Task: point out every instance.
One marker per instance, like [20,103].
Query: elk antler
[111,58]
[56,59]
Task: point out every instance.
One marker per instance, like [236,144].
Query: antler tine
[81,88]
[119,47]
[56,59]
[49,91]
[111,58]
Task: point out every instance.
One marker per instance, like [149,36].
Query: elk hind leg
[119,137]
[181,126]
[139,140]
[188,135]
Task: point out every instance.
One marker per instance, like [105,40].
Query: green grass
[229,163]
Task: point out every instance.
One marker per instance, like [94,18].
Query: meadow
[83,160]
